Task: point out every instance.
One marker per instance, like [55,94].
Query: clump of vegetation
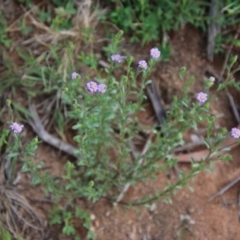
[147,21]
[101,105]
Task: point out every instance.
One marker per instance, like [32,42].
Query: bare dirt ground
[190,216]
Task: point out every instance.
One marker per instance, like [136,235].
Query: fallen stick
[224,189]
[156,102]
[38,128]
[140,161]
[201,155]
[213,28]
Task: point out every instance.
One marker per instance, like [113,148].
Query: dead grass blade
[84,19]
[17,216]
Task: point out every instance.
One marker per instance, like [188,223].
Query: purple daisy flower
[102,88]
[117,58]
[74,75]
[155,53]
[92,87]
[202,97]
[16,127]
[143,64]
[235,132]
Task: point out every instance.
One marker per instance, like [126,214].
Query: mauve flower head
[202,97]
[235,132]
[155,53]
[102,88]
[92,86]
[117,58]
[16,127]
[74,75]
[143,64]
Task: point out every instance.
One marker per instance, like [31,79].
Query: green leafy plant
[89,60]
[146,21]
[58,216]
[63,16]
[106,123]
[227,18]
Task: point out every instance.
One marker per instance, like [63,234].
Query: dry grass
[85,18]
[81,35]
[17,216]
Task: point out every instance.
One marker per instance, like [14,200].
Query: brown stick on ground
[38,128]
[156,102]
[201,155]
[213,29]
[226,188]
[140,161]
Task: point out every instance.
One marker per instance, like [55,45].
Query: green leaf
[220,87]
[55,219]
[69,230]
[91,184]
[36,180]
[13,154]
[207,143]
[182,72]
[25,168]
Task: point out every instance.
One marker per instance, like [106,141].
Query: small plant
[63,16]
[106,123]
[59,216]
[89,60]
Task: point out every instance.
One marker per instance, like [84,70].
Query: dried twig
[233,106]
[213,29]
[189,146]
[228,55]
[140,161]
[199,156]
[224,189]
[159,109]
[16,214]
[104,64]
[38,128]
[156,102]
